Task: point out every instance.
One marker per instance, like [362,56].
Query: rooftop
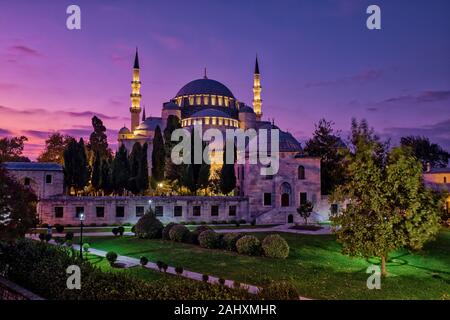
[32,166]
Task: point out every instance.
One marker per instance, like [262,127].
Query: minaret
[135,94]
[257,102]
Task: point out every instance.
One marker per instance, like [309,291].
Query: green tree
[135,168]
[327,145]
[426,151]
[120,171]
[388,206]
[143,172]
[158,158]
[76,168]
[55,145]
[227,173]
[173,171]
[17,208]
[97,172]
[105,181]
[305,210]
[98,141]
[11,149]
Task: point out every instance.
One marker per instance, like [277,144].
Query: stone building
[211,104]
[438,179]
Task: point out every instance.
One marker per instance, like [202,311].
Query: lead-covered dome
[205,86]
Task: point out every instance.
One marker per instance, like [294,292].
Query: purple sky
[317,59]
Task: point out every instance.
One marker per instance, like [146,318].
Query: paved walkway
[280,228]
[132,262]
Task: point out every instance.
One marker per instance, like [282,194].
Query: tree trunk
[306,221]
[383,266]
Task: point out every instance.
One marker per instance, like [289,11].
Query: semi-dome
[246,109]
[210,113]
[124,130]
[205,86]
[170,106]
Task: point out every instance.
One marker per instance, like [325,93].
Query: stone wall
[38,181]
[46,209]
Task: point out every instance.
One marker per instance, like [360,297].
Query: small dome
[210,113]
[150,124]
[124,130]
[246,109]
[170,106]
[205,86]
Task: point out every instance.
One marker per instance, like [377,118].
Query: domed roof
[150,124]
[170,106]
[205,86]
[210,113]
[124,130]
[287,142]
[246,109]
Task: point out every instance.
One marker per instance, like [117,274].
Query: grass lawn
[315,265]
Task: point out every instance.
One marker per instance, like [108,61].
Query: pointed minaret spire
[135,95]
[204,74]
[143,115]
[257,102]
[256,66]
[136,60]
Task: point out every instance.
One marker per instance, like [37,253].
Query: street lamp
[81,217]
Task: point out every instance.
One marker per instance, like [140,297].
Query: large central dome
[205,86]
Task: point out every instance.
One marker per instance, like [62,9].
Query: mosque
[260,198]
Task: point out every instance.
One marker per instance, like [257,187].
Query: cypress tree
[83,170]
[135,168]
[227,174]
[120,170]
[158,157]
[172,171]
[96,172]
[143,172]
[105,181]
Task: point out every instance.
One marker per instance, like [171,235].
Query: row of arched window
[208,100]
[210,121]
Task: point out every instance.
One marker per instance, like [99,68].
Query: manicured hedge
[209,239]
[179,233]
[166,230]
[25,258]
[249,245]
[280,290]
[148,227]
[274,246]
[230,239]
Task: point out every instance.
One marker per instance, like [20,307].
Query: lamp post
[81,217]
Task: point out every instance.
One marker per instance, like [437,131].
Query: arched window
[301,172]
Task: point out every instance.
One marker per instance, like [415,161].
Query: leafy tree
[76,168]
[120,170]
[305,210]
[135,168]
[105,181]
[98,141]
[227,174]
[143,173]
[327,145]
[158,158]
[388,206]
[173,171]
[55,145]
[11,149]
[97,172]
[17,208]
[426,151]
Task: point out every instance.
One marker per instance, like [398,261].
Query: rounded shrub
[209,239]
[249,245]
[274,246]
[279,290]
[86,247]
[115,231]
[205,278]
[179,233]
[196,233]
[230,239]
[121,230]
[148,227]
[143,261]
[59,228]
[69,236]
[48,237]
[166,230]
[221,281]
[41,236]
[111,256]
[179,270]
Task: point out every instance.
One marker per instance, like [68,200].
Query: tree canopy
[11,149]
[426,151]
[55,145]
